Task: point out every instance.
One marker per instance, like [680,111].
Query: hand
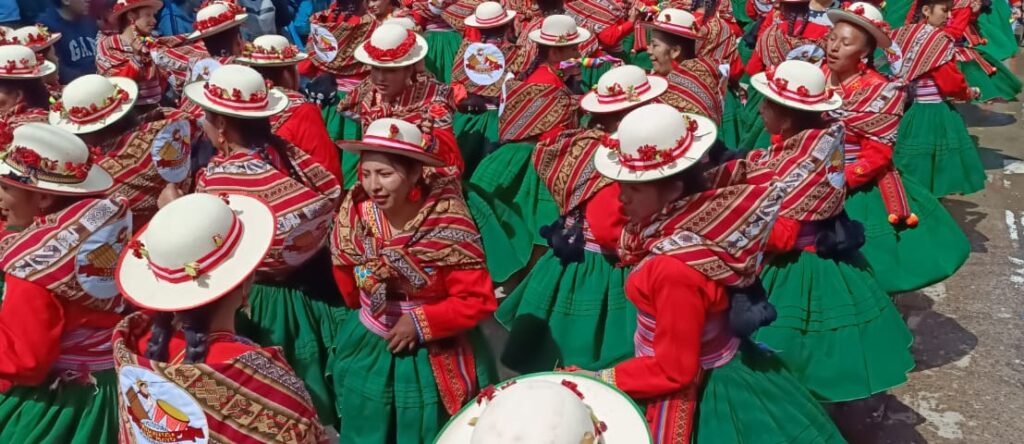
[402,337]
[168,195]
[634,14]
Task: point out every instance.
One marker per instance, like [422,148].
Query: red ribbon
[390,55]
[631,96]
[206,263]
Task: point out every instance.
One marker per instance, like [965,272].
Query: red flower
[572,386]
[224,197]
[138,250]
[647,152]
[487,393]
[802,91]
[781,83]
[691,125]
[437,111]
[610,142]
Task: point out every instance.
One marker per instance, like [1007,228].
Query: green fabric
[70,414]
[1003,84]
[908,259]
[507,246]
[387,398]
[442,47]
[590,76]
[573,315]
[641,59]
[995,27]
[753,135]
[896,11]
[753,399]
[476,134]
[837,331]
[732,125]
[739,12]
[340,127]
[935,150]
[305,328]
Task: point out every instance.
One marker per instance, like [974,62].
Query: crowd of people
[224,225]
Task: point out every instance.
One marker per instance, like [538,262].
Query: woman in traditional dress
[441,31]
[147,153]
[613,24]
[695,83]
[508,200]
[696,379]
[981,69]
[575,286]
[487,55]
[382,10]
[23,95]
[407,255]
[902,220]
[292,306]
[837,330]
[787,33]
[394,90]
[125,50]
[215,41]
[192,269]
[60,302]
[301,123]
[717,33]
[934,148]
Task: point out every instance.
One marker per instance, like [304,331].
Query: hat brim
[417,53]
[237,21]
[98,181]
[471,21]
[358,147]
[590,104]
[607,161]
[153,3]
[882,40]
[128,85]
[54,37]
[272,63]
[584,34]
[674,30]
[138,283]
[277,101]
[760,83]
[625,421]
[45,69]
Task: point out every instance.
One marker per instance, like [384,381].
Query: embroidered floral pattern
[28,162]
[392,54]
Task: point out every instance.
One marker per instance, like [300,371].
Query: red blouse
[613,35]
[32,321]
[951,81]
[605,217]
[305,129]
[681,298]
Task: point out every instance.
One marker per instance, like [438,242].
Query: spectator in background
[304,9]
[76,49]
[10,15]
[177,17]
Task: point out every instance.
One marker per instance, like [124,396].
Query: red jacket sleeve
[305,128]
[31,323]
[783,235]
[755,64]
[346,282]
[605,217]
[735,69]
[613,35]
[679,294]
[951,82]
[875,157]
[958,22]
[470,300]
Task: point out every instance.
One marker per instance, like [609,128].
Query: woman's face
[773,115]
[662,56]
[379,8]
[386,182]
[391,82]
[846,45]
[18,206]
[144,19]
[640,201]
[936,15]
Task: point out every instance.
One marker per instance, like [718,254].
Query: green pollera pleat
[442,47]
[994,26]
[68,414]
[935,149]
[1002,84]
[477,136]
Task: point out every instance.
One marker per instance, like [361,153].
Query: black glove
[566,242]
[749,309]
[472,104]
[839,237]
[323,91]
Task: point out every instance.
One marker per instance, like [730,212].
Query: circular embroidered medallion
[170,151]
[325,45]
[97,257]
[307,232]
[484,63]
[202,69]
[808,53]
[157,410]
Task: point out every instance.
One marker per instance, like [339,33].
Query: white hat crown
[558,28]
[489,13]
[237,87]
[533,411]
[676,17]
[18,59]
[654,134]
[32,35]
[867,10]
[390,42]
[271,43]
[798,81]
[90,98]
[622,83]
[216,14]
[404,21]
[394,131]
[190,234]
[47,153]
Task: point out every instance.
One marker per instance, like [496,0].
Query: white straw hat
[237,91]
[555,408]
[391,46]
[653,142]
[20,62]
[92,102]
[489,15]
[217,17]
[271,50]
[867,17]
[559,30]
[404,21]
[37,37]
[798,85]
[123,6]
[394,136]
[623,87]
[196,249]
[46,158]
[676,21]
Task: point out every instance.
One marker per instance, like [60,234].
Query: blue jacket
[76,48]
[174,20]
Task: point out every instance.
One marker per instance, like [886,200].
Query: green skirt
[907,259]
[340,127]
[70,414]
[573,315]
[895,12]
[739,12]
[935,150]
[753,399]
[442,47]
[590,76]
[387,398]
[995,27]
[507,246]
[732,126]
[642,58]
[837,331]
[477,135]
[754,135]
[506,181]
[1003,84]
[305,328]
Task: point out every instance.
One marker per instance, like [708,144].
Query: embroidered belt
[85,350]
[717,346]
[926,91]
[382,324]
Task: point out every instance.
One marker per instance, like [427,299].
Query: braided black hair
[195,324]
[794,13]
[222,44]
[710,8]
[160,337]
[920,4]
[551,7]
[349,8]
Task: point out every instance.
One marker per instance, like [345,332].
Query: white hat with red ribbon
[621,88]
[391,46]
[559,30]
[92,102]
[796,84]
[237,91]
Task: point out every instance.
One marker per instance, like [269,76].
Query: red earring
[415,194]
[861,66]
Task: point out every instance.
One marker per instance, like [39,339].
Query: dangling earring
[415,194]
[862,65]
